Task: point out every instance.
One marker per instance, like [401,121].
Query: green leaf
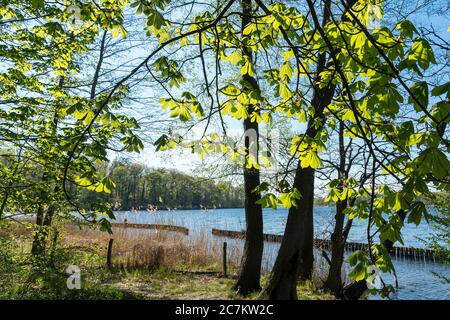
[284,91]
[440,90]
[264,186]
[249,29]
[36,4]
[407,28]
[105,225]
[349,115]
[392,230]
[119,30]
[358,40]
[286,71]
[333,195]
[156,19]
[359,272]
[106,185]
[287,55]
[309,158]
[289,199]
[418,209]
[161,142]
[268,201]
[248,68]
[435,161]
[235,57]
[132,143]
[422,53]
[420,92]
[399,202]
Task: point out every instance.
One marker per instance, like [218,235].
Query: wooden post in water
[108,258]
[224,260]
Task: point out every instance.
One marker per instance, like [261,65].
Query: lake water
[415,277]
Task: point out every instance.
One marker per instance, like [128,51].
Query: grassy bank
[146,264]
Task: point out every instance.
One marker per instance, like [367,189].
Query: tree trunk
[44,222]
[334,279]
[338,239]
[37,247]
[283,281]
[44,219]
[4,201]
[249,276]
[295,258]
[306,262]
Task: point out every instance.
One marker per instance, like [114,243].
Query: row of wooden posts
[405,252]
[166,227]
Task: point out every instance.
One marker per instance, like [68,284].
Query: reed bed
[153,249]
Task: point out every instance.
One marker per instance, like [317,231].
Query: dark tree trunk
[249,276]
[44,222]
[50,212]
[3,205]
[334,279]
[355,290]
[37,247]
[250,272]
[338,238]
[295,258]
[306,262]
[283,281]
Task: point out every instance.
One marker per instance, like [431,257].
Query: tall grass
[154,249]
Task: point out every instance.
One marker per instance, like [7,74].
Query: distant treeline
[140,187]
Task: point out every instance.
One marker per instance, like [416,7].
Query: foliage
[375,79]
[375,76]
[25,276]
[47,125]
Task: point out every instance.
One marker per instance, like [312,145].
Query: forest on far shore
[141,187]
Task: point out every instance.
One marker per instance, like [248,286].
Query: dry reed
[153,249]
